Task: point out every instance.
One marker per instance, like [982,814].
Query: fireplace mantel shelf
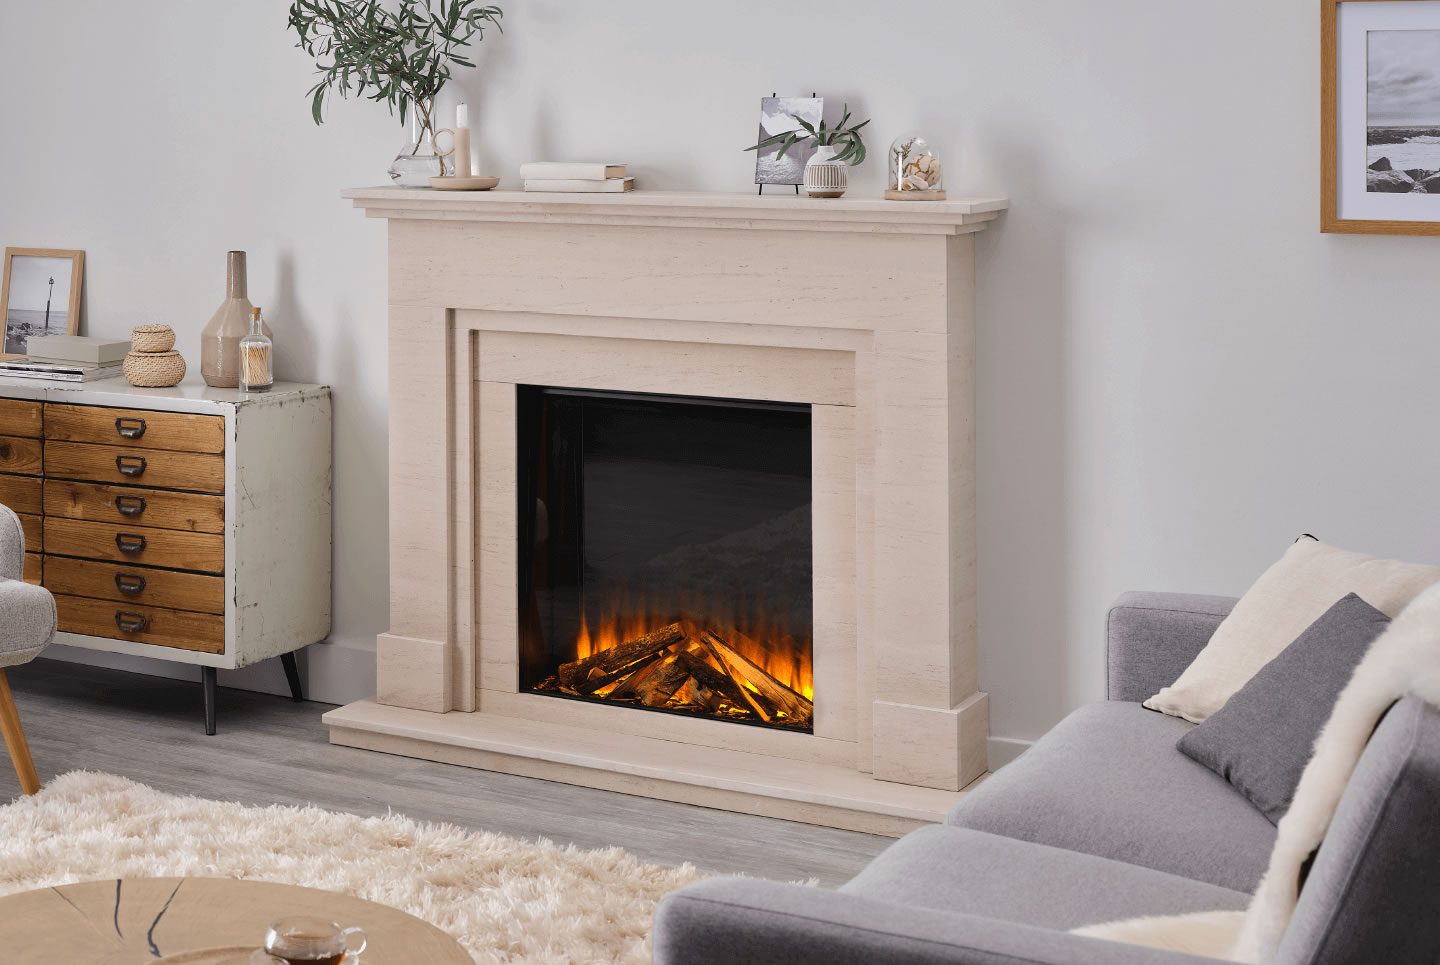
[684,209]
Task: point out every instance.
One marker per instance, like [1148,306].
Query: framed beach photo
[779,115]
[1380,116]
[41,294]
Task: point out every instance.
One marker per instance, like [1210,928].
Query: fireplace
[664,553]
[682,498]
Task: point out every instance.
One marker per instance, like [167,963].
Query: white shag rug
[504,899]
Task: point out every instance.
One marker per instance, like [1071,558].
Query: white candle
[462,116]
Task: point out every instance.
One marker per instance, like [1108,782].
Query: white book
[580,185]
[556,170]
[58,373]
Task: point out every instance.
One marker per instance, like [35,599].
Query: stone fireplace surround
[862,309]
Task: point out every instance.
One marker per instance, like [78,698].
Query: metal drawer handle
[130,427]
[130,505]
[130,465]
[129,542]
[130,622]
[131,584]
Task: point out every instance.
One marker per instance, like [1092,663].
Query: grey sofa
[1104,819]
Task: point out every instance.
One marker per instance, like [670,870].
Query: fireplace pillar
[863,309]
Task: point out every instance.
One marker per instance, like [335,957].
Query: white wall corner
[1003,750]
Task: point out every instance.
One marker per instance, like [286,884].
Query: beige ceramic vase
[220,342]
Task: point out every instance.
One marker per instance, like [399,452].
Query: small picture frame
[41,294]
[777,116]
[1380,117]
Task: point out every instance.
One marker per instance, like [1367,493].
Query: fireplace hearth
[665,553]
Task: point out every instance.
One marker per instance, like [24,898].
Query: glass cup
[313,941]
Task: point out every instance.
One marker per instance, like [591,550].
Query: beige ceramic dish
[463,184]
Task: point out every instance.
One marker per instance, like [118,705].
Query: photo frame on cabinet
[1380,116]
[41,294]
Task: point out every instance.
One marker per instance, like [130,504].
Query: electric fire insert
[665,553]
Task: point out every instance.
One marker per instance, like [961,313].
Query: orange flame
[761,639]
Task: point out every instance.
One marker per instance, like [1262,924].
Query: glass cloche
[915,171]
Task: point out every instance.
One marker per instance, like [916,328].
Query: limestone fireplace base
[825,794]
[860,309]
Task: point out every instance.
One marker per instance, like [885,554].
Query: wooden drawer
[143,428]
[202,472]
[20,418]
[134,584]
[21,493]
[34,568]
[160,627]
[139,545]
[34,531]
[127,505]
[20,455]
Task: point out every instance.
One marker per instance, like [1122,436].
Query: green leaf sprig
[401,57]
[848,136]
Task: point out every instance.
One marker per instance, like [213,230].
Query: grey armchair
[27,626]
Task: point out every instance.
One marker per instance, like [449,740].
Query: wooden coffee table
[137,920]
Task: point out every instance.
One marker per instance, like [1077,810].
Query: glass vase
[417,161]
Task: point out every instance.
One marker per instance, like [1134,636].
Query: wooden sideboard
[189,523]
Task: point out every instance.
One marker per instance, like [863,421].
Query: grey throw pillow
[1261,739]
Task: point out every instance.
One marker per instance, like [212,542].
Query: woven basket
[152,338]
[153,370]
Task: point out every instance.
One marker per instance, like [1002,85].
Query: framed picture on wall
[41,294]
[1380,116]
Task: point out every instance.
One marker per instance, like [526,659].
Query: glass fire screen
[665,553]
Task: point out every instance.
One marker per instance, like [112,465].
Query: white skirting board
[334,672]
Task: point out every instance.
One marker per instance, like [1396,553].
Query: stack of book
[559,176]
[67,358]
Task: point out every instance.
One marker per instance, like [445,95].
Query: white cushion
[1288,597]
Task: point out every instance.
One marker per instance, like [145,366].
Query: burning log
[573,675]
[757,683]
[683,666]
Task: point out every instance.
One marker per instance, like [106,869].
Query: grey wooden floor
[270,750]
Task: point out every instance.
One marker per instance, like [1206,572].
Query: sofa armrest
[1150,638]
[729,920]
[12,545]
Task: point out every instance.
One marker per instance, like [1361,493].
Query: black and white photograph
[1403,112]
[1380,117]
[780,115]
[41,294]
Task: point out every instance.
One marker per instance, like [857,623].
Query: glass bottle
[257,368]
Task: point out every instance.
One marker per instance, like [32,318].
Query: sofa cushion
[974,873]
[1286,599]
[1261,740]
[1108,781]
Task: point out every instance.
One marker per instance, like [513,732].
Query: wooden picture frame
[22,316]
[1331,136]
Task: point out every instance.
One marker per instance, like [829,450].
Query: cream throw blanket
[1403,661]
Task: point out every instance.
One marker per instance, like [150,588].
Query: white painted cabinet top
[191,395]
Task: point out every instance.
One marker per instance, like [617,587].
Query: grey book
[76,349]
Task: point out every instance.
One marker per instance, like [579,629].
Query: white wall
[1178,374]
